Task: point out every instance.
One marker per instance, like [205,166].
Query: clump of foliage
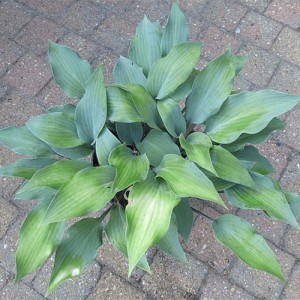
[147,157]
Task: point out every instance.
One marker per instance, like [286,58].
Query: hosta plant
[134,152]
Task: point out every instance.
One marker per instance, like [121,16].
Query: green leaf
[69,70]
[91,111]
[88,191]
[251,154]
[68,108]
[41,194]
[248,112]
[105,143]
[211,88]
[263,196]
[176,30]
[127,72]
[185,218]
[145,47]
[57,129]
[36,242]
[148,221]
[55,175]
[75,152]
[171,116]
[294,203]
[77,251]
[186,180]
[25,168]
[131,168]
[241,238]
[120,105]
[116,234]
[257,138]
[156,144]
[169,243]
[20,140]
[168,73]
[130,133]
[197,150]
[228,167]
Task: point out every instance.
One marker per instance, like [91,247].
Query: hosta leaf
[248,112]
[186,180]
[127,72]
[251,154]
[211,88]
[263,196]
[41,194]
[57,129]
[120,106]
[169,243]
[77,251]
[68,108]
[105,143]
[88,191]
[168,73]
[69,70]
[55,175]
[25,168]
[241,238]
[75,152]
[90,114]
[130,133]
[116,234]
[36,242]
[197,150]
[184,218]
[171,116]
[176,30]
[156,144]
[228,167]
[257,138]
[148,215]
[145,46]
[22,141]
[294,203]
[130,168]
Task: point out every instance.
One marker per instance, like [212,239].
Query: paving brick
[10,52]
[216,41]
[172,279]
[204,247]
[287,45]
[292,290]
[19,291]
[259,5]
[259,283]
[112,287]
[285,11]
[258,29]
[286,79]
[277,153]
[136,11]
[8,214]
[224,13]
[28,75]
[37,32]
[268,228]
[4,90]
[193,8]
[195,27]
[5,277]
[219,288]
[12,18]
[78,287]
[83,17]
[116,6]
[291,242]
[260,66]
[241,83]
[115,33]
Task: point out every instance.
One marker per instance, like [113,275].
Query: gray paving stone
[292,290]
[172,279]
[259,5]
[19,291]
[116,6]
[5,277]
[291,242]
[8,214]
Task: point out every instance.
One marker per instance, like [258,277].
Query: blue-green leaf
[130,133]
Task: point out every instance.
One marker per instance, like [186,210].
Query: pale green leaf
[75,152]
[294,203]
[186,179]
[69,70]
[168,73]
[241,238]
[130,168]
[148,215]
[248,112]
[91,111]
[68,108]
[130,133]
[42,193]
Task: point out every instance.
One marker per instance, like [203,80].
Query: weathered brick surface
[259,5]
[292,290]
[8,214]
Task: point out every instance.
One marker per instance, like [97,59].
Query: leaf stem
[203,214]
[189,129]
[106,212]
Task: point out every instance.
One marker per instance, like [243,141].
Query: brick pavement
[266,30]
